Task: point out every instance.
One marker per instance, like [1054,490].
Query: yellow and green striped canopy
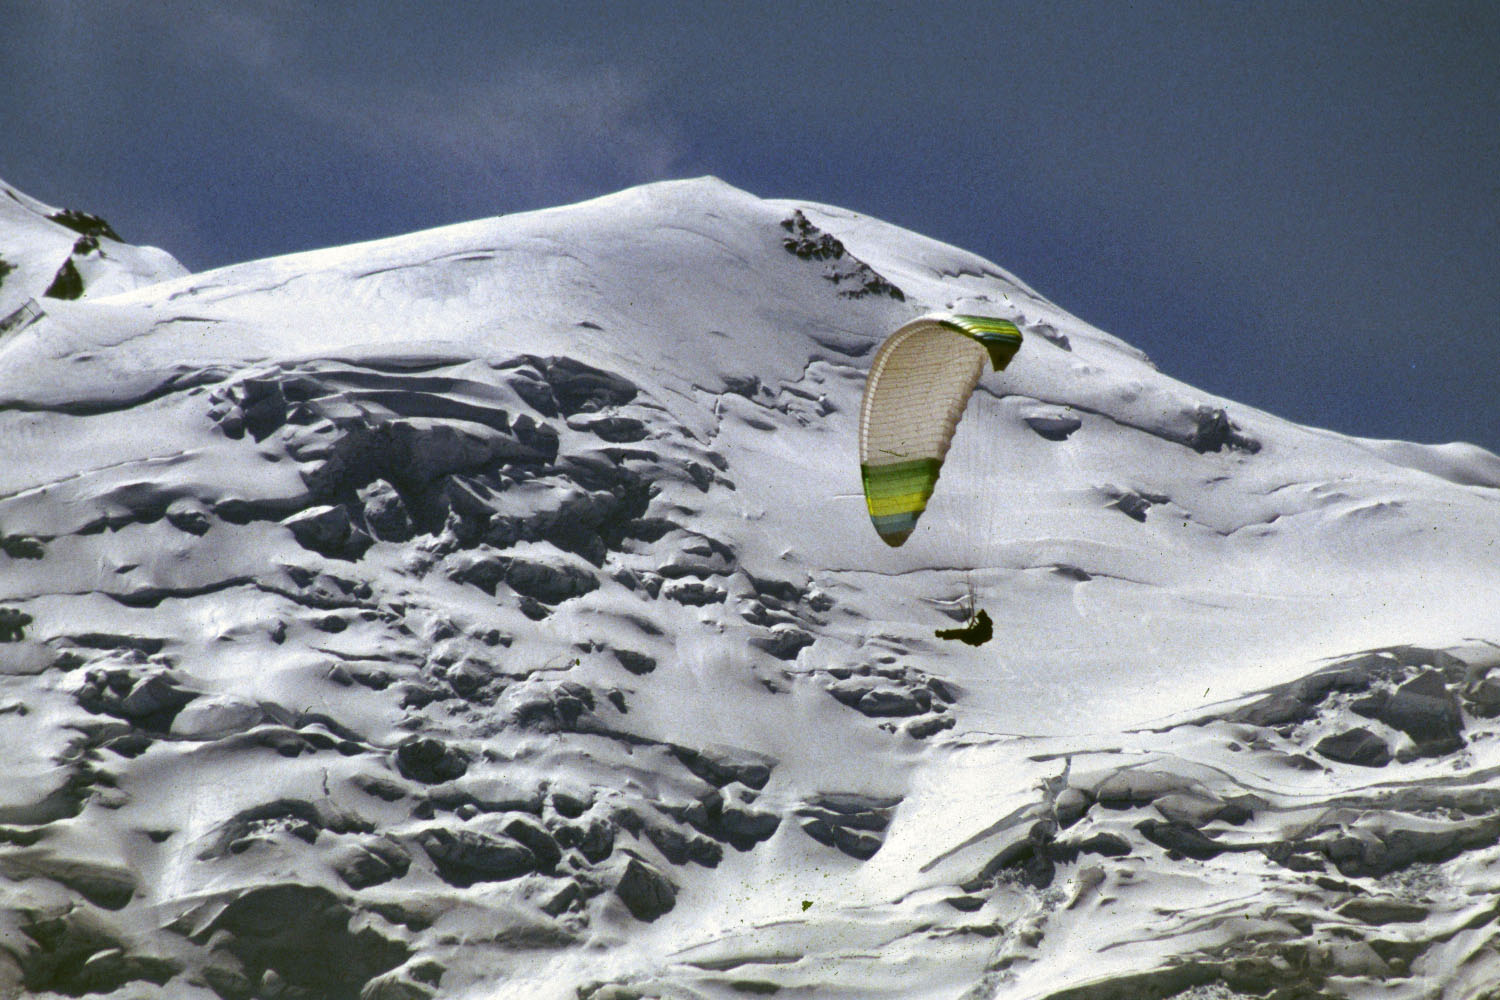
[919,384]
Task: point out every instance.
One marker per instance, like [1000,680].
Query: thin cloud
[546,124]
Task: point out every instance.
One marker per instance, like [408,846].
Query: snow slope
[50,251]
[494,607]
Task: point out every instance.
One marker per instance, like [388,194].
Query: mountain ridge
[504,590]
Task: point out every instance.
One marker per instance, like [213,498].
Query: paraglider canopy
[919,384]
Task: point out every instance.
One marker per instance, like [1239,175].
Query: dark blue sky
[1296,205]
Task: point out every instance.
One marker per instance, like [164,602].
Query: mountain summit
[59,253]
[493,611]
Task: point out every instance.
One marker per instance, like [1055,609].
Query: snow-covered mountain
[60,253]
[493,612]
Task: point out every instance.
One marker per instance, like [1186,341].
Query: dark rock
[13,622]
[1054,428]
[558,900]
[145,645]
[395,985]
[851,822]
[324,530]
[262,405]
[292,930]
[807,241]
[743,827]
[467,503]
[488,795]
[1214,431]
[1038,870]
[472,681]
[280,817]
[887,702]
[1238,810]
[531,387]
[966,904]
[679,848]
[1195,810]
[1348,676]
[535,838]
[1033,859]
[726,819]
[1070,806]
[430,760]
[875,697]
[784,642]
[538,441]
[154,702]
[379,787]
[1424,709]
[1277,709]
[698,556]
[855,843]
[106,971]
[587,522]
[74,954]
[1356,856]
[872,812]
[419,451]
[1132,505]
[372,863]
[636,663]
[1135,787]
[646,892]
[67,283]
[1485,698]
[85,224]
[464,857]
[1372,706]
[1294,761]
[929,725]
[748,386]
[720,765]
[571,804]
[1355,746]
[533,608]
[1108,844]
[1337,885]
[1401,848]
[1381,910]
[22,547]
[106,886]
[188,515]
[866,282]
[612,428]
[581,388]
[483,568]
[130,745]
[550,707]
[1294,857]
[386,516]
[694,593]
[1180,839]
[597,841]
[547,582]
